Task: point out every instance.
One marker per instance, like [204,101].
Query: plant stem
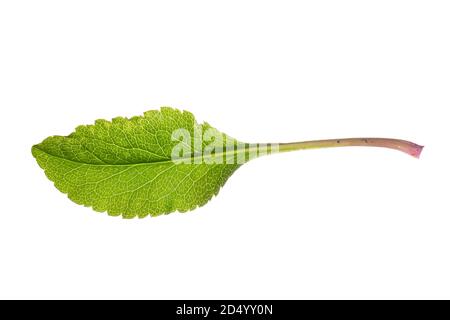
[400,145]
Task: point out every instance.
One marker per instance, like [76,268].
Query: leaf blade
[124,167]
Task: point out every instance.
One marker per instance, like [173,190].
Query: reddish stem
[396,144]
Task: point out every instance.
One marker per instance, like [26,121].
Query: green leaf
[160,162]
[125,166]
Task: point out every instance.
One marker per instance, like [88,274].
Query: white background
[335,223]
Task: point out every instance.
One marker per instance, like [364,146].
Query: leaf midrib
[235,152]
